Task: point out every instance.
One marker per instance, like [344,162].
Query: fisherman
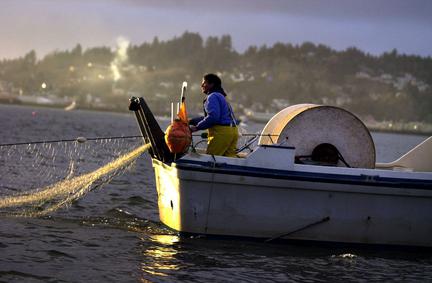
[219,119]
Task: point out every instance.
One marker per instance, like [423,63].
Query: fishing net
[39,178]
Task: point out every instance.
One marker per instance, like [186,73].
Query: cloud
[412,10]
[372,25]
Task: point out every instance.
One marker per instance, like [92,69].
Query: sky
[374,26]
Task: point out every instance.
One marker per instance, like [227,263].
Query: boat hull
[224,202]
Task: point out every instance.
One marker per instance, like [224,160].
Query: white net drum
[317,130]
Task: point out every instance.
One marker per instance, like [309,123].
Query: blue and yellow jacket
[217,112]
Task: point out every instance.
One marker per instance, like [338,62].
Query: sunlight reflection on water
[161,255]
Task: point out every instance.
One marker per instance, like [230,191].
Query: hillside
[392,86]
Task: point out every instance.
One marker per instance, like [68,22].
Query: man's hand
[193,128]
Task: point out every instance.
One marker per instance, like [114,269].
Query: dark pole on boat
[135,106]
[150,129]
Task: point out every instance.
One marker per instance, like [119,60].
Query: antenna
[183,92]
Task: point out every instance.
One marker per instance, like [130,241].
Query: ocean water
[111,232]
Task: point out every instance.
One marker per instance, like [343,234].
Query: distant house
[362,75]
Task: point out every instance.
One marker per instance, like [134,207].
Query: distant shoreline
[379,127]
[60,107]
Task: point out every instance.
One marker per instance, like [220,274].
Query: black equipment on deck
[151,130]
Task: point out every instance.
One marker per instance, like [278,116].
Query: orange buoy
[178,136]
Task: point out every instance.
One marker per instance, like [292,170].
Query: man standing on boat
[219,119]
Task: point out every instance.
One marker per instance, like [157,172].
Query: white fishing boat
[312,177]
[258,117]
[71,106]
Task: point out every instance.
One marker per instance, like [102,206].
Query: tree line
[390,86]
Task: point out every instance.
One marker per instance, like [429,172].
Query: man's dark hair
[216,82]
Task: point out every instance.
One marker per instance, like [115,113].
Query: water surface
[113,233]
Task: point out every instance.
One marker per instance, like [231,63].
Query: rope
[79,139]
[325,219]
[341,158]
[83,139]
[204,135]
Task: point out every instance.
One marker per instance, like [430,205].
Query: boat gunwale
[362,179]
